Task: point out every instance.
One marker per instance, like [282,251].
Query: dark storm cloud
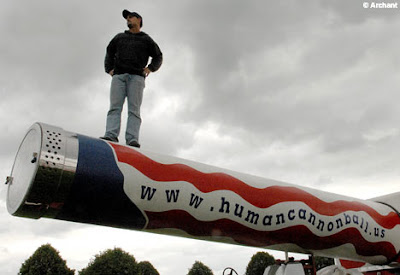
[54,42]
[320,91]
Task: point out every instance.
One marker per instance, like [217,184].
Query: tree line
[46,260]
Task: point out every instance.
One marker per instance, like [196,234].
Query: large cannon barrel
[63,175]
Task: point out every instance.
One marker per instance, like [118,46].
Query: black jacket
[129,53]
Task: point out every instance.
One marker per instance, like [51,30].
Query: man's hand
[111,72]
[146,71]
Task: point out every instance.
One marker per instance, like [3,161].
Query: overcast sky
[305,92]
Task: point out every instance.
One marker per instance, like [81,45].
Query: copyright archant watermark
[380,5]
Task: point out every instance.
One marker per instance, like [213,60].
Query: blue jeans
[131,87]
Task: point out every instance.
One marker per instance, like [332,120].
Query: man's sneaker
[110,139]
[134,144]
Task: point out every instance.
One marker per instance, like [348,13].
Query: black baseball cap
[125,14]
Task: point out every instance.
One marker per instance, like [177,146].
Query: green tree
[112,262]
[259,263]
[321,262]
[146,268]
[199,268]
[45,261]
